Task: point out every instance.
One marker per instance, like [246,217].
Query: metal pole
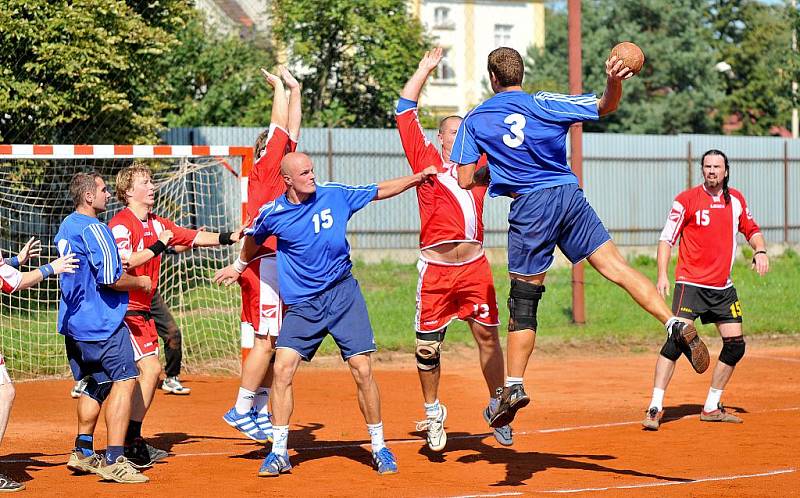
[688,165]
[576,144]
[785,192]
[330,155]
[795,119]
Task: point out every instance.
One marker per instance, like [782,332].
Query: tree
[351,56]
[85,71]
[678,89]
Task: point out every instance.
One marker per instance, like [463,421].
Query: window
[441,18]
[502,35]
[445,72]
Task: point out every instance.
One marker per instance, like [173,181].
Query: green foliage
[678,87]
[352,57]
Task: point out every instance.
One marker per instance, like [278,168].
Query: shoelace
[423,425]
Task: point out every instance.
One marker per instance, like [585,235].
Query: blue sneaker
[384,461]
[264,422]
[246,425]
[274,464]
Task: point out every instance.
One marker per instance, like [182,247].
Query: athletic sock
[134,431]
[376,436]
[112,452]
[510,381]
[712,400]
[261,401]
[432,410]
[280,435]
[85,444]
[244,400]
[493,404]
[658,399]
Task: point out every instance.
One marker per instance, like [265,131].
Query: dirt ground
[581,435]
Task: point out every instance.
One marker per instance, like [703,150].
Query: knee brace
[523,302]
[98,392]
[429,345]
[671,350]
[732,350]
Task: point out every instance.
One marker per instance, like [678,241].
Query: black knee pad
[98,392]
[523,303]
[671,349]
[428,349]
[732,350]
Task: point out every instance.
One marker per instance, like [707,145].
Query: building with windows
[242,17]
[468,30]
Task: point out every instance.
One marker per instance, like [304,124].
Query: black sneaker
[697,354]
[511,399]
[138,454]
[8,485]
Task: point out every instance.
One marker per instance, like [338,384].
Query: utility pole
[576,143]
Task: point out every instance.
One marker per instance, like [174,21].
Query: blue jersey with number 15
[313,252]
[524,138]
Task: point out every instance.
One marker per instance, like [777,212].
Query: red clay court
[581,435]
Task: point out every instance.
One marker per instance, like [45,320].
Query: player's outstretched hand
[226,276]
[616,70]
[65,264]
[427,173]
[165,236]
[145,284]
[271,79]
[760,264]
[663,287]
[431,59]
[30,250]
[290,81]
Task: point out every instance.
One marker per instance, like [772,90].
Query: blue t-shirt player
[310,224]
[524,139]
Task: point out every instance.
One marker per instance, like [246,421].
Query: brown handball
[631,55]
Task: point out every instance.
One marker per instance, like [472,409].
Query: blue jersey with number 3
[313,252]
[524,138]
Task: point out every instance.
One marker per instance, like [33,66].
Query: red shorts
[262,309]
[446,292]
[144,336]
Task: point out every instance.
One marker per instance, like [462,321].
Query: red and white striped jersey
[707,228]
[133,235]
[265,182]
[447,212]
[10,277]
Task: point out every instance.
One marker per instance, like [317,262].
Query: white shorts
[262,309]
[4,377]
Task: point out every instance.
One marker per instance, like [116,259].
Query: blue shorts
[110,360]
[339,311]
[541,220]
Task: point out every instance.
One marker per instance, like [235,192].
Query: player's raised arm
[390,188]
[616,72]
[413,87]
[280,105]
[65,264]
[295,112]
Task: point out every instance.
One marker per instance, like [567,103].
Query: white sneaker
[504,435]
[436,437]
[78,388]
[173,385]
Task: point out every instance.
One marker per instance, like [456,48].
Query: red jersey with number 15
[447,212]
[707,228]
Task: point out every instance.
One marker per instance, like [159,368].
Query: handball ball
[630,54]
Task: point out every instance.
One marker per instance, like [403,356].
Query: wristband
[239,265]
[225,238]
[758,252]
[13,261]
[158,248]
[47,270]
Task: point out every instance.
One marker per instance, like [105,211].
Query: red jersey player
[262,310]
[141,238]
[706,218]
[455,279]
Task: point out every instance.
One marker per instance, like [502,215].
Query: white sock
[712,400]
[244,400]
[261,401]
[376,436]
[432,410]
[280,435]
[670,323]
[493,402]
[658,399]
[510,381]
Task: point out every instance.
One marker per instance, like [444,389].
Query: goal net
[195,187]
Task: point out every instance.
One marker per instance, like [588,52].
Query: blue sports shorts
[339,311]
[109,360]
[543,219]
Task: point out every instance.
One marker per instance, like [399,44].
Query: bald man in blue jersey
[310,223]
[524,139]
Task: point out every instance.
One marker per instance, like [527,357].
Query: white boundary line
[780,358]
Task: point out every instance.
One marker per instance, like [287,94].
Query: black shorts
[711,305]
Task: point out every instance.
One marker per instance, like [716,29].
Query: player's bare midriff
[453,252]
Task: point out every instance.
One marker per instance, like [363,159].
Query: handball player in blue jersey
[524,138]
[310,223]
